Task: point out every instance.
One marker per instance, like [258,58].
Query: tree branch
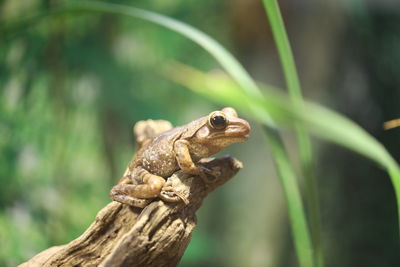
[154,236]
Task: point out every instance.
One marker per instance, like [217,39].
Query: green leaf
[290,186]
[318,120]
[303,139]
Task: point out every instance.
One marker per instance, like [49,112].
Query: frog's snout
[238,128]
[246,129]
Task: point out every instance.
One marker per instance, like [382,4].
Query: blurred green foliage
[71,88]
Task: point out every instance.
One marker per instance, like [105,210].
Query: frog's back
[158,156]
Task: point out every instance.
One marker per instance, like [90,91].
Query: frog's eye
[218,120]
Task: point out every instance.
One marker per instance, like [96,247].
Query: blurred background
[71,88]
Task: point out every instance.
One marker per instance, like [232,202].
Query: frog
[179,148]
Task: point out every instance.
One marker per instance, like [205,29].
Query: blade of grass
[353,137]
[320,121]
[235,69]
[303,139]
[293,198]
[220,89]
[232,66]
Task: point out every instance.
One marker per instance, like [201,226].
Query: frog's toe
[169,194]
[131,201]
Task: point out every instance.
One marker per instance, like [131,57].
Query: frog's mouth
[241,138]
[233,134]
[238,131]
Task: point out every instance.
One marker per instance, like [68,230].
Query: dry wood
[154,236]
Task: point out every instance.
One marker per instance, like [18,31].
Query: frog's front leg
[186,164]
[146,186]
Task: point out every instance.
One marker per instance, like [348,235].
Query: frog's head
[222,128]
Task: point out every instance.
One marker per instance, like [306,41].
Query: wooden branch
[154,236]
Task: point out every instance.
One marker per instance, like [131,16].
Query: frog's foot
[134,195]
[149,187]
[120,194]
[169,194]
[131,201]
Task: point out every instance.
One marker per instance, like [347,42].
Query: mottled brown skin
[178,148]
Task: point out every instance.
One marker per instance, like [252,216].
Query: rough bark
[154,236]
